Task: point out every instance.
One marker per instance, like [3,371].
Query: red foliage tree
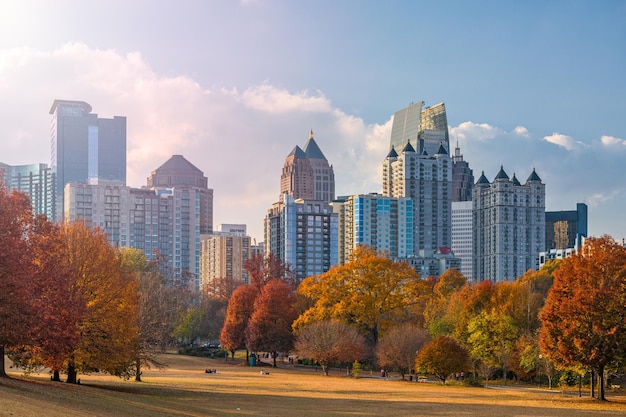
[269,329]
[238,313]
[262,269]
[583,318]
[16,312]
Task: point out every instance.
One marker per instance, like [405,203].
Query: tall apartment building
[85,148]
[427,180]
[306,174]
[165,222]
[566,229]
[35,180]
[303,234]
[415,122]
[380,222]
[508,226]
[223,255]
[462,183]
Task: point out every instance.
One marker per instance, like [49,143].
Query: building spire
[311,134]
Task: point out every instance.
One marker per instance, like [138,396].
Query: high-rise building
[413,123]
[566,229]
[508,226]
[179,173]
[164,221]
[427,180]
[380,222]
[462,237]
[306,174]
[37,181]
[85,148]
[462,177]
[224,255]
[303,234]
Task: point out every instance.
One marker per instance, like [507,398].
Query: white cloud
[475,131]
[521,131]
[612,141]
[565,141]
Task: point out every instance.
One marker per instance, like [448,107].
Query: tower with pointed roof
[508,227]
[307,174]
[427,179]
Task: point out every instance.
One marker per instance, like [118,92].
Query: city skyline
[534,85]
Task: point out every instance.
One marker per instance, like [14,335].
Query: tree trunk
[138,370]
[601,383]
[71,373]
[3,372]
[56,377]
[593,384]
[274,356]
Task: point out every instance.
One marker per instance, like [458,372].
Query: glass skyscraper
[84,148]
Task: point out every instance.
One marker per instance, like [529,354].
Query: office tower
[306,174]
[85,148]
[427,180]
[462,218]
[35,180]
[508,226]
[566,229]
[303,234]
[179,173]
[224,255]
[414,123]
[380,222]
[462,177]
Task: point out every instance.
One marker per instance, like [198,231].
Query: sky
[235,86]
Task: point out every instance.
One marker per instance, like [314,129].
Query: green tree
[329,341]
[371,291]
[583,318]
[442,357]
[492,338]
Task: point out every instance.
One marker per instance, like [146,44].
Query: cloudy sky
[234,86]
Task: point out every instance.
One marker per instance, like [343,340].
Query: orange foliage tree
[583,318]
[442,357]
[238,313]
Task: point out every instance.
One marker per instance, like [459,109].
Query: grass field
[184,389]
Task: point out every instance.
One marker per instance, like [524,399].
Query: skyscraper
[427,180]
[508,227]
[85,148]
[566,229]
[462,183]
[37,181]
[306,174]
[413,123]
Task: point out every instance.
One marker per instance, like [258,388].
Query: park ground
[184,389]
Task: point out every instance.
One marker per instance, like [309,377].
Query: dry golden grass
[236,390]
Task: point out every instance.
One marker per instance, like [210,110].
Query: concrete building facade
[35,180]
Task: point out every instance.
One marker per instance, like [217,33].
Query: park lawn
[184,389]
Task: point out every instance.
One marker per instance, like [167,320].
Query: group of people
[210,371]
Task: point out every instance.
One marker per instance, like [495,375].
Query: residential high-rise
[508,226]
[462,177]
[462,183]
[413,123]
[566,229]
[37,181]
[427,180]
[306,174]
[85,148]
[164,221]
[224,255]
[303,234]
[179,173]
[380,222]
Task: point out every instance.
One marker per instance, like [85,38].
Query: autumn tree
[109,325]
[262,269]
[444,287]
[371,292]
[492,338]
[238,314]
[399,345]
[328,342]
[442,357]
[16,312]
[269,329]
[583,318]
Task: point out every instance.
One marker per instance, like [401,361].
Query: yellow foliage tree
[371,291]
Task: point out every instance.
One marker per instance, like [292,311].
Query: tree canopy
[442,357]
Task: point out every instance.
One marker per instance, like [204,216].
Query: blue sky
[234,86]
